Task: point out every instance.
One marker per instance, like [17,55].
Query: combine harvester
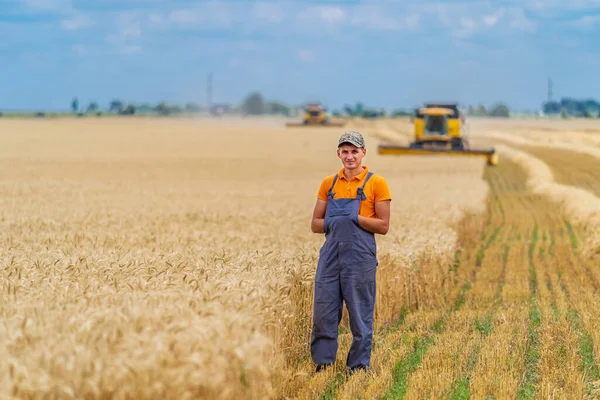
[314,115]
[439,131]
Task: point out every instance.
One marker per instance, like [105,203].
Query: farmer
[352,206]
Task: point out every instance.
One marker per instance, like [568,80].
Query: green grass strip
[572,235]
[528,386]
[590,370]
[409,364]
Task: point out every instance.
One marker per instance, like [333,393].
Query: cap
[352,137]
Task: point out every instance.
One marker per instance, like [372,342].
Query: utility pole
[209,88]
[549,90]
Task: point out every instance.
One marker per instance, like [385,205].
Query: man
[352,206]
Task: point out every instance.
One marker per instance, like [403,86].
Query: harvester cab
[438,129]
[315,115]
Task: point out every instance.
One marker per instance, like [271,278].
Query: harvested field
[159,258]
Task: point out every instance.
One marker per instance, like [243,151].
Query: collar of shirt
[358,177]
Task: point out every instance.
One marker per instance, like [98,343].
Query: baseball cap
[352,137]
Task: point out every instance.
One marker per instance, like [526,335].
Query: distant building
[220,109]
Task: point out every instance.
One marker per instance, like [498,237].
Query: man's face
[351,155]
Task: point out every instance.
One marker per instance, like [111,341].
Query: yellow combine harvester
[439,131]
[315,115]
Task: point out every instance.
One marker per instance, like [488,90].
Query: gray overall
[345,272]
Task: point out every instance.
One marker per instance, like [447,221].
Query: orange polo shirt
[375,190]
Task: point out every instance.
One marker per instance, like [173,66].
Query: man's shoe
[358,368]
[321,367]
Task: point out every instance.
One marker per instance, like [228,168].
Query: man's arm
[381,223]
[318,218]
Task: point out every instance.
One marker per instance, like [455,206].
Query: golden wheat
[150,258]
[579,204]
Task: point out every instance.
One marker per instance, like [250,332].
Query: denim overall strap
[330,192]
[360,191]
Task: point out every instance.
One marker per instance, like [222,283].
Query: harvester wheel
[457,144]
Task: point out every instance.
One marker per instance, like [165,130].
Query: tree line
[256,104]
[570,107]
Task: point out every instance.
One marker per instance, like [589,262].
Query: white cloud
[464,20]
[373,17]
[234,62]
[306,56]
[460,18]
[128,33]
[587,21]
[248,45]
[130,49]
[155,19]
[331,16]
[77,22]
[128,28]
[80,50]
[412,21]
[519,21]
[268,12]
[184,17]
[50,5]
[556,5]
[494,18]
[205,15]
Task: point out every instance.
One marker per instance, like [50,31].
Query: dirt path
[519,324]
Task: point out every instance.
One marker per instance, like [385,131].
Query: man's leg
[327,315]
[358,289]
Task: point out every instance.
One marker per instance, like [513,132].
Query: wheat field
[173,258]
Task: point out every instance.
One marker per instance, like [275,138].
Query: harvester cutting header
[315,115]
[439,131]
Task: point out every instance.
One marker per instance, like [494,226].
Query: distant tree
[564,113]
[500,110]
[144,108]
[357,111]
[162,109]
[92,107]
[192,108]
[75,105]
[551,107]
[175,109]
[349,110]
[254,104]
[481,111]
[368,113]
[401,113]
[277,108]
[128,110]
[115,106]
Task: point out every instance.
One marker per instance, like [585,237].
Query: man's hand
[379,224]
[318,218]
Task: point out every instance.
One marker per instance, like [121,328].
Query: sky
[389,54]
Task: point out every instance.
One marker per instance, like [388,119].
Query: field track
[519,325]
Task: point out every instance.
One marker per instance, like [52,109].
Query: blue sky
[385,53]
